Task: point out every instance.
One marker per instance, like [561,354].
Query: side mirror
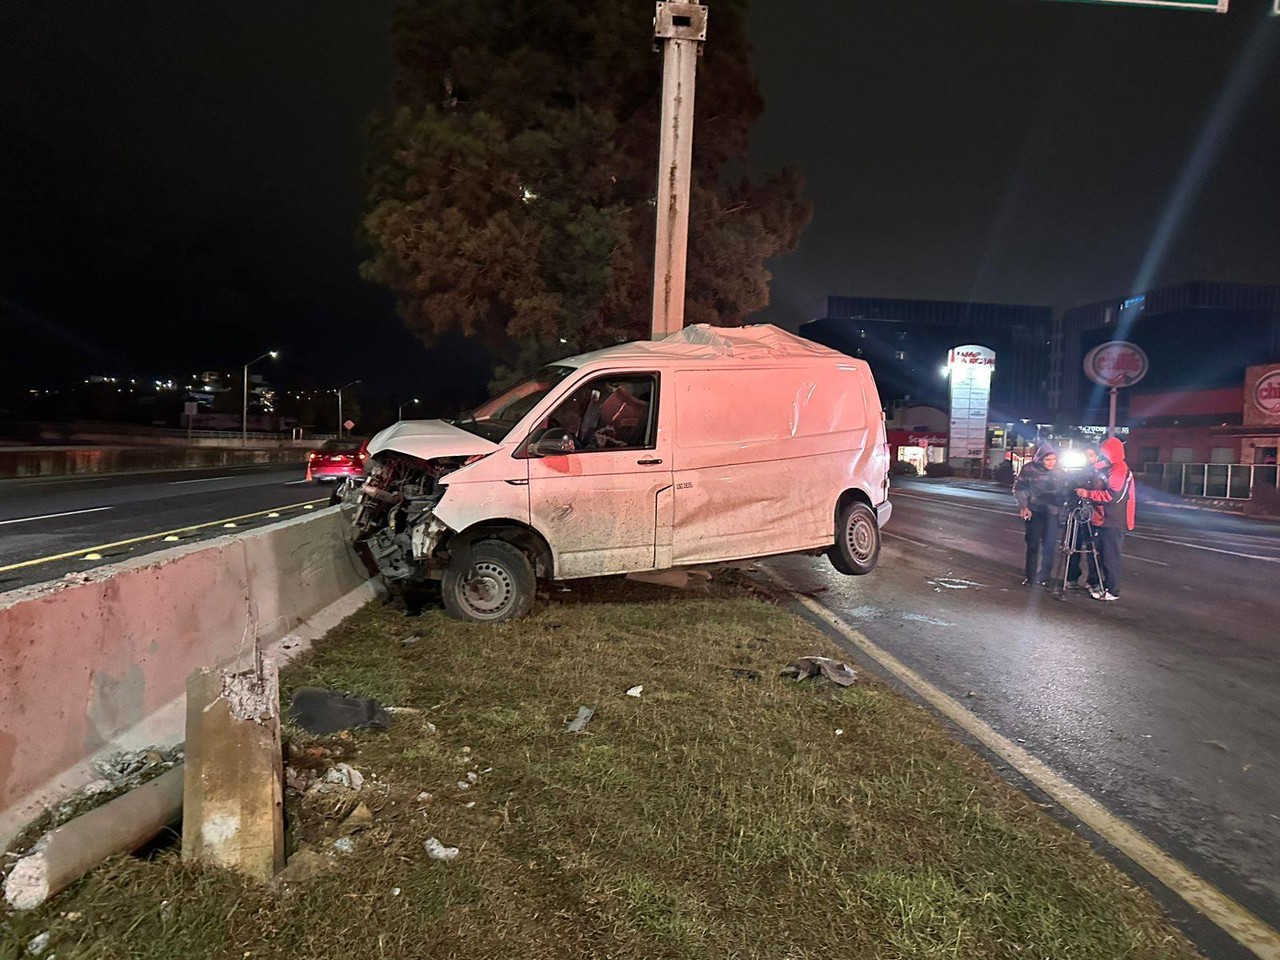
[552,446]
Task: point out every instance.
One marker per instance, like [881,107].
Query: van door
[597,502]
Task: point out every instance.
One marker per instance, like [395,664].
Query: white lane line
[174,483]
[50,516]
[918,543]
[1200,546]
[1244,927]
[1136,536]
[1134,556]
[290,483]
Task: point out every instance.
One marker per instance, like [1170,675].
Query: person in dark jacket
[1113,514]
[1038,491]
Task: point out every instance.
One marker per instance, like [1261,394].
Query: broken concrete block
[233,805]
[62,856]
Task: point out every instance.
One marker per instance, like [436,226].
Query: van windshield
[495,418]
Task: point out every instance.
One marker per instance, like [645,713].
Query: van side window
[612,412]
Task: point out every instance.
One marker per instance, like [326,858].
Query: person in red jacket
[1113,514]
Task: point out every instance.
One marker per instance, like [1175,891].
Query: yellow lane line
[153,536]
[1243,926]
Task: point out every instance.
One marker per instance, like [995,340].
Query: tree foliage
[511,188]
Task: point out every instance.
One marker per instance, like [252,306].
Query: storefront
[917,449]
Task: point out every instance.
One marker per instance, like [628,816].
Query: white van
[715,444]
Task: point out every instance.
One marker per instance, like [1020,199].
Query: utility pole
[681,28]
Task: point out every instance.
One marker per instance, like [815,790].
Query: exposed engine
[393,519]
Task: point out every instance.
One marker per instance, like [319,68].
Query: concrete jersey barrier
[98,662]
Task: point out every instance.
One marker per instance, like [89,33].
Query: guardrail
[1214,481]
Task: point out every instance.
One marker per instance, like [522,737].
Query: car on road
[337,460]
[714,445]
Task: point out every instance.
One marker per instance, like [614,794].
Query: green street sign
[1216,6]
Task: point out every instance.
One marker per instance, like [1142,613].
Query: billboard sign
[970,368]
[1116,363]
[1266,392]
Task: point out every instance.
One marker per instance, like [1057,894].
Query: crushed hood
[428,440]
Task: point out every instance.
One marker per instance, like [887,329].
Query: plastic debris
[38,944]
[344,845]
[438,851]
[324,711]
[579,723]
[395,891]
[837,671]
[636,690]
[464,785]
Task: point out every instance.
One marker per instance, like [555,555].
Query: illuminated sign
[1115,364]
[1266,393]
[970,368]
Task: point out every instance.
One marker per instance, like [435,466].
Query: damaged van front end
[397,528]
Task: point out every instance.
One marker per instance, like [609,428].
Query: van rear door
[597,505]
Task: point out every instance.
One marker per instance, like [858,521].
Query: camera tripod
[1079,539]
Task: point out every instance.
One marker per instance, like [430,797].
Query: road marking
[290,483]
[918,543]
[76,554]
[174,483]
[1243,926]
[1200,546]
[50,516]
[1136,536]
[1134,556]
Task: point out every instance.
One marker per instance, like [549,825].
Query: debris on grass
[325,711]
[438,851]
[358,819]
[636,690]
[38,944]
[837,671]
[579,723]
[343,775]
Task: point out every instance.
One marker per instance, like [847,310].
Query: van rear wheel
[857,546]
[491,582]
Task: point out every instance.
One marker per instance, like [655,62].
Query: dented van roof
[705,342]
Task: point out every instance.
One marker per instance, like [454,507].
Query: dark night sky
[180,184]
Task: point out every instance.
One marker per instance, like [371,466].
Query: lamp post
[400,413]
[244,406]
[339,393]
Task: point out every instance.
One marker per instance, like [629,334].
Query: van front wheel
[491,582]
[857,546]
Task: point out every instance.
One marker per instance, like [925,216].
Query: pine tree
[511,189]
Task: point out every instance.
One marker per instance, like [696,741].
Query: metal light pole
[244,405]
[682,29]
[339,393]
[400,412]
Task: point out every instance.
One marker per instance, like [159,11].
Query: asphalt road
[1164,706]
[74,515]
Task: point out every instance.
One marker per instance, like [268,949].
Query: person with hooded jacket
[1113,514]
[1038,490]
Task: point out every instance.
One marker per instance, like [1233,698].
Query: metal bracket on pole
[682,29]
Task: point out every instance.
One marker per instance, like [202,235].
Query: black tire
[857,546]
[491,582]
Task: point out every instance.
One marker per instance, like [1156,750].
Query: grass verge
[725,812]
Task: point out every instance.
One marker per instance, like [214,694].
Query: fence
[1218,481]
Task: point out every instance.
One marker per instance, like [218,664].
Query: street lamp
[339,393]
[244,406]
[400,413]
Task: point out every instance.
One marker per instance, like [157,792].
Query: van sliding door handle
[649,462]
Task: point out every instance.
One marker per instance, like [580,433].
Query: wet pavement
[46,518]
[1163,706]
